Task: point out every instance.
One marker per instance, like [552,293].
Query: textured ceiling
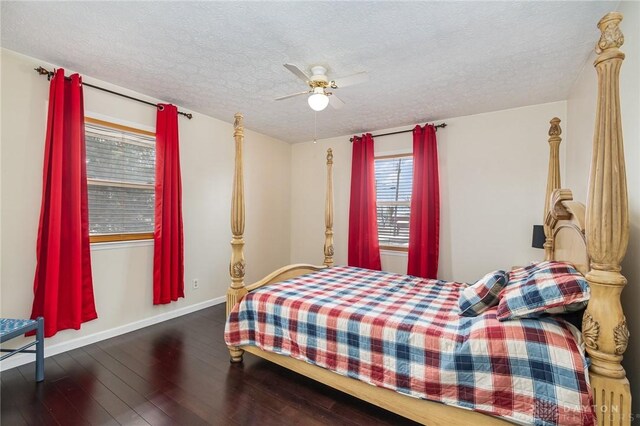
[426,60]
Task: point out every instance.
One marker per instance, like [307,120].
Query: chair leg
[40,350]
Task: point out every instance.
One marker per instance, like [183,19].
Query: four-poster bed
[594,239]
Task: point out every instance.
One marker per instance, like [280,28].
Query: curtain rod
[437,126]
[49,74]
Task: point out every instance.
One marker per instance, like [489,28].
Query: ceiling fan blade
[292,95]
[335,102]
[298,72]
[350,80]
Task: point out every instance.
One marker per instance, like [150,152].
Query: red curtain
[63,288]
[424,226]
[364,248]
[168,256]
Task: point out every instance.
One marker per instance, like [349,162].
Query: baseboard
[21,359]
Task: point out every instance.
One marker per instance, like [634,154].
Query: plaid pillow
[482,295]
[543,288]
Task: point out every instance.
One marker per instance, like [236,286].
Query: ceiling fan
[318,84]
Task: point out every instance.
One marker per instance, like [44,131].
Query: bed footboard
[285,273]
[282,274]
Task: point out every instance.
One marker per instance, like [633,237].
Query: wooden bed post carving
[328,213]
[607,233]
[553,181]
[237,289]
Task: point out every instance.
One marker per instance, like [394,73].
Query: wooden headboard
[566,219]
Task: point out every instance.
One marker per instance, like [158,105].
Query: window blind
[120,177]
[394,180]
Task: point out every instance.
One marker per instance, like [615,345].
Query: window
[121,165]
[394,176]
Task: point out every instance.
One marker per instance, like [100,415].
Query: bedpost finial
[329,156]
[555,129]
[611,37]
[238,120]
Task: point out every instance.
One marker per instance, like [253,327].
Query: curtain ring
[160,107]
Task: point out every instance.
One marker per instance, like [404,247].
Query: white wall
[122,275]
[493,172]
[581,117]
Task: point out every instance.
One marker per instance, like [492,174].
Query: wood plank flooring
[174,373]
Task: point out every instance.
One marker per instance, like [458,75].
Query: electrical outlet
[196,284]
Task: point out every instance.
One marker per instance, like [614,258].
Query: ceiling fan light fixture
[318,100]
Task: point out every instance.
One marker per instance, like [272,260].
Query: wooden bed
[594,238]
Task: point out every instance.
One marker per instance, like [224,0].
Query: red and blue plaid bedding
[405,333]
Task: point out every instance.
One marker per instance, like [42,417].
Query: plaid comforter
[405,333]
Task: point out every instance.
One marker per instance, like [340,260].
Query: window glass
[394,176]
[121,179]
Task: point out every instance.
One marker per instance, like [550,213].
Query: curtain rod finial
[43,71]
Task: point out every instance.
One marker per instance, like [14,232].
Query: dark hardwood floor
[176,372]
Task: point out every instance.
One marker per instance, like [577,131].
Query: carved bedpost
[553,181]
[328,212]
[607,232]
[237,290]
